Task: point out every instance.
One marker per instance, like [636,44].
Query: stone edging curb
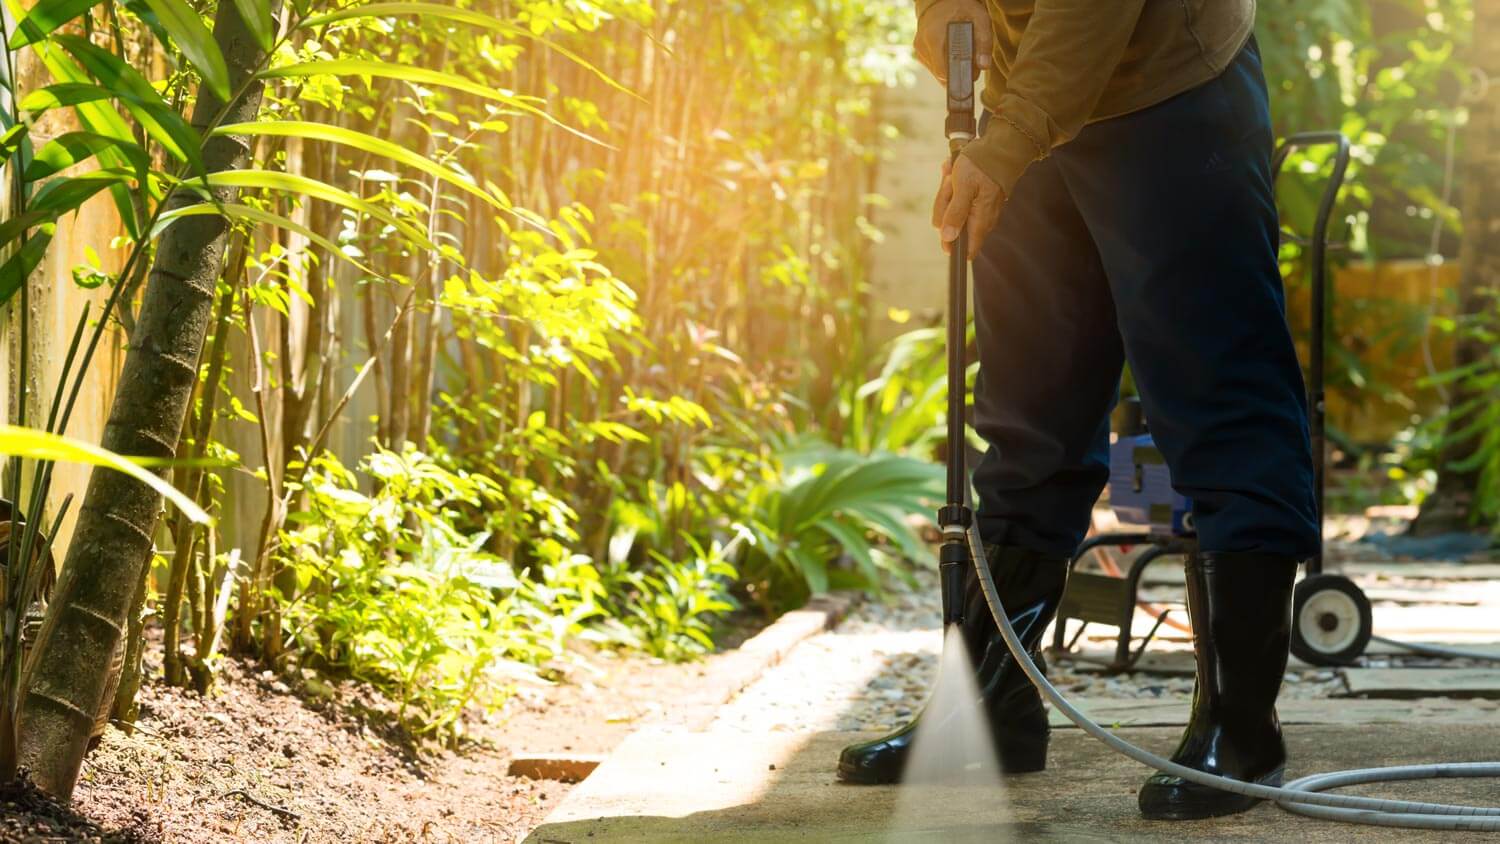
[727,675]
[732,672]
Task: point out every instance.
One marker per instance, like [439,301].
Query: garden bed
[259,760]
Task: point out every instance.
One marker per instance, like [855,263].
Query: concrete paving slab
[1436,571]
[1135,712]
[1424,682]
[1175,659]
[1463,623]
[738,788]
[731,673]
[1449,594]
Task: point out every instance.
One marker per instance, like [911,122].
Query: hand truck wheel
[1331,623]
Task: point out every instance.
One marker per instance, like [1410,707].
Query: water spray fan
[963,546]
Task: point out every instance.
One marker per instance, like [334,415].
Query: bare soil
[258,760]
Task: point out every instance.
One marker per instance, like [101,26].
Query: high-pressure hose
[1302,796]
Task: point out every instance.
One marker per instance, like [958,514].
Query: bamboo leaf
[19,266]
[122,82]
[464,16]
[12,228]
[365,143]
[63,94]
[70,148]
[117,77]
[251,214]
[298,185]
[40,445]
[149,18]
[95,116]
[124,201]
[257,17]
[12,140]
[195,42]
[46,16]
[423,76]
[63,194]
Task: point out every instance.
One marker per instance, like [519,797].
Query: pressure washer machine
[1331,617]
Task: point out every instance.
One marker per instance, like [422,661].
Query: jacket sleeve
[1066,57]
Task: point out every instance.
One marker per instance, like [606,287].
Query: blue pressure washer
[1331,618]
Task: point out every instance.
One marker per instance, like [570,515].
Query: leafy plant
[594,317]
[669,608]
[1470,427]
[901,410]
[387,592]
[816,526]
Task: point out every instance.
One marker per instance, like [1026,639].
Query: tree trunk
[67,672]
[1450,507]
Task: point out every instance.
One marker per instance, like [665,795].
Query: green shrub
[835,518]
[669,607]
[901,410]
[387,592]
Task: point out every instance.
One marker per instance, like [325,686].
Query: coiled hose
[1303,796]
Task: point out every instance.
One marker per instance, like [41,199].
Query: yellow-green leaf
[298,185]
[257,17]
[195,42]
[257,215]
[457,15]
[366,143]
[46,16]
[423,76]
[40,445]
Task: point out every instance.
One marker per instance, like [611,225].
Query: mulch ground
[256,760]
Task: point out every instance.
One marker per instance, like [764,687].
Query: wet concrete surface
[727,786]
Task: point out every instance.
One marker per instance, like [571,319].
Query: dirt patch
[260,761]
[28,815]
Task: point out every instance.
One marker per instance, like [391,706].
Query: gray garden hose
[1302,796]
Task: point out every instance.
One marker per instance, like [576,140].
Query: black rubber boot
[1030,586]
[1240,605]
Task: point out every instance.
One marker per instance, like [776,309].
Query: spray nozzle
[953,561]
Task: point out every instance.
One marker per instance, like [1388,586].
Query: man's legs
[1179,200]
[1050,360]
[1049,370]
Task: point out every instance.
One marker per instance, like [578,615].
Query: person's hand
[966,195]
[932,35]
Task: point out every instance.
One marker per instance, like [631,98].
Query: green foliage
[699,299]
[669,609]
[816,526]
[607,256]
[1469,426]
[1389,76]
[1393,78]
[389,593]
[902,409]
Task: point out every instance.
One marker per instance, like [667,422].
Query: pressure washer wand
[954,518]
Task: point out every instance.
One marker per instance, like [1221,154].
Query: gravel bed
[874,670]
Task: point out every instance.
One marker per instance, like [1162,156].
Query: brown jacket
[1059,64]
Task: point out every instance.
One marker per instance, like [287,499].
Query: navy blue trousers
[1149,238]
